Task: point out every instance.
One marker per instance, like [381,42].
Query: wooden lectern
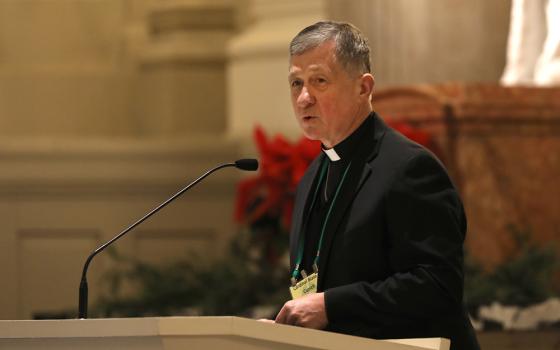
[170,333]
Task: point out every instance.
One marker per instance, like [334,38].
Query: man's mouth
[308,117]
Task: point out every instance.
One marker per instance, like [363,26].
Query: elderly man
[376,243]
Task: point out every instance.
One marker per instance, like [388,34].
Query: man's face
[327,100]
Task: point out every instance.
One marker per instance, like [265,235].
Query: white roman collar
[331,153]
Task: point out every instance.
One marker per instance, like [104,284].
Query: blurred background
[107,107]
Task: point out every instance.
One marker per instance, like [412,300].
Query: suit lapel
[359,172]
[379,129]
[301,205]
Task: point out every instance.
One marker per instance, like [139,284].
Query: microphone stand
[83,294]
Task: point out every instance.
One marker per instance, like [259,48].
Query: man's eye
[295,83]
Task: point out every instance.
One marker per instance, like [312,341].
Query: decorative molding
[275,24]
[55,233]
[108,168]
[188,32]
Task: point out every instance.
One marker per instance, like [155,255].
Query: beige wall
[59,68]
[113,68]
[109,106]
[58,201]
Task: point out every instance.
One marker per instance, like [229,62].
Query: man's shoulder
[401,157]
[397,148]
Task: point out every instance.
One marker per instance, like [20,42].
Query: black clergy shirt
[345,150]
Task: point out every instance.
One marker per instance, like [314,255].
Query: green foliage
[524,279]
[232,285]
[250,274]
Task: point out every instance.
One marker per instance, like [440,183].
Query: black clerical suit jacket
[391,263]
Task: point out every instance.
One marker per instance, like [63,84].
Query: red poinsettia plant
[270,195]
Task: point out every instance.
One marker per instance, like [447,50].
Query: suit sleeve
[425,225]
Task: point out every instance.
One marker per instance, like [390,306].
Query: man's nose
[305,98]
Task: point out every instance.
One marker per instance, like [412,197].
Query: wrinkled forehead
[321,58]
[296,71]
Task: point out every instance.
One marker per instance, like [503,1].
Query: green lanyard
[301,242]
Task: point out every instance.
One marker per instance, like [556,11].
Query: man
[376,215]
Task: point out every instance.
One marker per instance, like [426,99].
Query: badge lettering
[307,285]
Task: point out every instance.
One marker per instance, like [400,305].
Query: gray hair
[351,46]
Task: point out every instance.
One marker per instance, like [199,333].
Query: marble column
[181,79]
[258,66]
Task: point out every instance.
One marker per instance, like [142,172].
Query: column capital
[186,31]
[274,23]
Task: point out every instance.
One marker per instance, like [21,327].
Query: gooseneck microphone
[242,164]
[246,164]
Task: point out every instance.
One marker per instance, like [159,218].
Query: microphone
[242,164]
[247,164]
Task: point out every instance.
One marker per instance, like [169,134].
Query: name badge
[307,285]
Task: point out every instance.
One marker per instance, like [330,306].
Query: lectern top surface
[204,327]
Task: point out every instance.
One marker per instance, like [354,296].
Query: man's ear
[367,82]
